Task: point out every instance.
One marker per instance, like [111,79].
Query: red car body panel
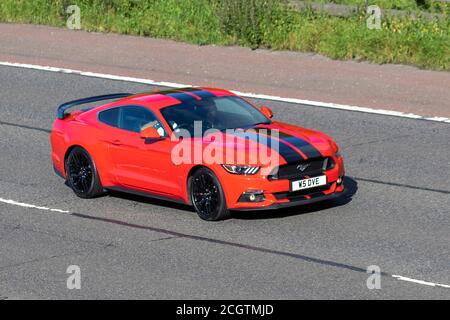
[125,162]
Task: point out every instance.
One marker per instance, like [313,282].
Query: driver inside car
[204,111]
[155,124]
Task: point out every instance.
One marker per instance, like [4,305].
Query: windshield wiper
[246,127]
[259,123]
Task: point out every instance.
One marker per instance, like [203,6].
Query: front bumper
[279,205]
[277,192]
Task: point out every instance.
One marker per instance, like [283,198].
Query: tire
[207,196]
[82,175]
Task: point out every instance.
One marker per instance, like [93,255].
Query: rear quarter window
[110,117]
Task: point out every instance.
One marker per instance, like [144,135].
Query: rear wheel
[82,175]
[207,195]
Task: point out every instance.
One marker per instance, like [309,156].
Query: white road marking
[31,206]
[248,95]
[244,94]
[426,283]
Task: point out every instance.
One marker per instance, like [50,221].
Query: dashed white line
[32,206]
[244,94]
[426,283]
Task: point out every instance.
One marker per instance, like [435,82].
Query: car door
[139,163]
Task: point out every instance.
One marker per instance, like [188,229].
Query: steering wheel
[187,126]
[190,126]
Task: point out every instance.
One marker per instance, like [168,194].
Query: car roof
[159,99]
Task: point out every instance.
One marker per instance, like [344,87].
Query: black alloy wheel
[82,174]
[207,195]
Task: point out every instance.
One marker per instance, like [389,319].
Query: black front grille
[310,167]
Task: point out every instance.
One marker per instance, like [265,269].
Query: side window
[110,117]
[135,118]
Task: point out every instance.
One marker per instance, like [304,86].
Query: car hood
[316,139]
[291,143]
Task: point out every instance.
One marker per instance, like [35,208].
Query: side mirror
[150,133]
[267,112]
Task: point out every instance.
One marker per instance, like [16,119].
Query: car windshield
[219,113]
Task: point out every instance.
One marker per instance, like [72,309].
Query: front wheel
[82,175]
[207,195]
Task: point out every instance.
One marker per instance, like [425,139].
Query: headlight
[240,169]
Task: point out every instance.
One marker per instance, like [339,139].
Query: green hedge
[253,23]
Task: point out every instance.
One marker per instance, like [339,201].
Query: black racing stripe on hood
[288,153]
[308,149]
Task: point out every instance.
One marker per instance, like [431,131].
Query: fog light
[252,196]
[339,181]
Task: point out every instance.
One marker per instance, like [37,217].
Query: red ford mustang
[200,146]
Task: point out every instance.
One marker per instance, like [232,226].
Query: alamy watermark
[74,20]
[374,19]
[74,280]
[251,147]
[374,280]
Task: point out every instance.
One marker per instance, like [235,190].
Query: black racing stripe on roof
[204,94]
[186,94]
[181,96]
[165,92]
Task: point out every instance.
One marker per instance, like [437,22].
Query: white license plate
[308,183]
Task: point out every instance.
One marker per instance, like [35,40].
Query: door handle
[116,142]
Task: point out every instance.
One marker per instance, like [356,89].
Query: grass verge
[254,23]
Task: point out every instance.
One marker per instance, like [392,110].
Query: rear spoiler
[61,113]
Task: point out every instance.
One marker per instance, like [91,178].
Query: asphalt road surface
[279,73]
[398,217]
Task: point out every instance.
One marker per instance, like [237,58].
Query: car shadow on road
[150,201]
[351,187]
